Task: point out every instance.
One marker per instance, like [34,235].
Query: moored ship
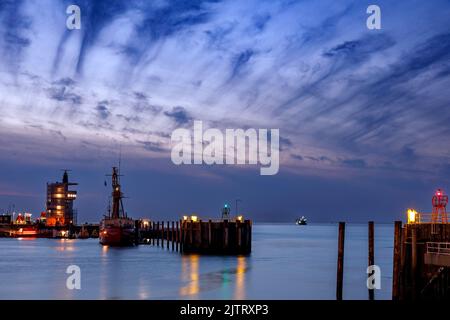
[116,228]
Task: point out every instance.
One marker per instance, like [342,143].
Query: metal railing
[439,248]
[430,218]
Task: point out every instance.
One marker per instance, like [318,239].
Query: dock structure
[217,237]
[222,237]
[422,254]
[422,262]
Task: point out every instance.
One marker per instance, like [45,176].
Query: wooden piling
[200,238]
[340,262]
[152,234]
[157,234]
[225,234]
[238,234]
[172,235]
[209,232]
[414,261]
[191,233]
[177,239]
[397,260]
[162,234]
[400,291]
[167,234]
[371,254]
[181,236]
[248,235]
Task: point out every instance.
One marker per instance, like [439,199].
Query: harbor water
[287,262]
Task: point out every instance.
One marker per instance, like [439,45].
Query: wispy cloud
[343,96]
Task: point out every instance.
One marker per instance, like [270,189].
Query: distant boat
[116,229]
[301,221]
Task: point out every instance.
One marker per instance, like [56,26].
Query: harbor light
[240,218]
[412,216]
[194,218]
[185,218]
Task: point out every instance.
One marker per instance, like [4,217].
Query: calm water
[287,262]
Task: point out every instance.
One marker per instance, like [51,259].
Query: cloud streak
[342,96]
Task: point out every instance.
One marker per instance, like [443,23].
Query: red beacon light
[439,202]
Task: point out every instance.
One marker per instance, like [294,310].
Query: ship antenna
[120,156]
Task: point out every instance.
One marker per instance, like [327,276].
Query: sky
[363,114]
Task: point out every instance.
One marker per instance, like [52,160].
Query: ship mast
[117,195]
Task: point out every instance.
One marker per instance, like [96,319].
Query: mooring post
[239,234]
[177,239]
[152,237]
[371,254]
[157,234]
[397,260]
[172,236]
[249,236]
[209,233]
[200,238]
[414,261]
[162,234]
[225,234]
[181,236]
[401,273]
[191,233]
[167,235]
[340,262]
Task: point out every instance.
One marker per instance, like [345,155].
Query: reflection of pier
[192,279]
[241,269]
[191,274]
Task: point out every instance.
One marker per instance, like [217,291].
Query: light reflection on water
[241,269]
[287,262]
[190,274]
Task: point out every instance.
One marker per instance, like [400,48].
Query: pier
[421,261]
[222,237]
[422,254]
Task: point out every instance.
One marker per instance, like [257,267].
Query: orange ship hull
[117,236]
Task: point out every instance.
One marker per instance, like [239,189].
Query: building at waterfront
[5,219]
[60,211]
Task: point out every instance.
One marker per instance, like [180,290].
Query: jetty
[421,257]
[422,254]
[192,235]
